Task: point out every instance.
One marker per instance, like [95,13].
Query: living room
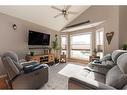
[61,40]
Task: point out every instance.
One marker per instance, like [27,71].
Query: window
[80,46]
[100,42]
[64,44]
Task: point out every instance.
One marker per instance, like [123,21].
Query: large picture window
[80,45]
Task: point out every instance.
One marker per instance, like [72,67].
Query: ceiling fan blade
[56,8]
[72,12]
[68,7]
[57,15]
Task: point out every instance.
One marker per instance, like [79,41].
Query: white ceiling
[43,15]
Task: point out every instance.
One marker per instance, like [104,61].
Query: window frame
[99,30]
[76,34]
[66,44]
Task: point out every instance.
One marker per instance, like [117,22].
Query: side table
[63,58]
[93,57]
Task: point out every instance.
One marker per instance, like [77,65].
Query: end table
[93,57]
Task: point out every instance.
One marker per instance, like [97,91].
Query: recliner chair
[24,75]
[106,63]
[111,73]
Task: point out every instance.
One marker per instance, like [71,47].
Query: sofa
[109,73]
[24,75]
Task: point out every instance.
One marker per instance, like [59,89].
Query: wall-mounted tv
[38,38]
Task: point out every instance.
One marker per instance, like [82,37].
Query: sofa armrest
[100,65]
[22,60]
[28,62]
[98,68]
[32,80]
[77,82]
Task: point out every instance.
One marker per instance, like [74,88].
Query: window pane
[80,46]
[99,42]
[80,39]
[83,55]
[64,44]
[99,38]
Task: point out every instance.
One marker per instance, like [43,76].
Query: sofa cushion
[116,54]
[125,87]
[96,76]
[108,64]
[106,57]
[12,55]
[100,68]
[122,63]
[14,58]
[116,78]
[86,73]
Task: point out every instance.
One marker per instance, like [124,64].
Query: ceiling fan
[63,12]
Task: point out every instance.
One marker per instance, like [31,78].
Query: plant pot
[32,53]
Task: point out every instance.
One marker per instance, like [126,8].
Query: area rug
[71,70]
[58,81]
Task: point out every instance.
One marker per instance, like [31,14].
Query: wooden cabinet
[42,58]
[51,57]
[36,58]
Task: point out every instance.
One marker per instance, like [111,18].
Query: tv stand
[44,59]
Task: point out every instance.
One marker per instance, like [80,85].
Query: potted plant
[32,53]
[50,50]
[124,47]
[55,47]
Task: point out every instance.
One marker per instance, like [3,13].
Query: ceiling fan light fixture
[65,11]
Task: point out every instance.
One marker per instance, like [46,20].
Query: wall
[122,25]
[16,40]
[109,14]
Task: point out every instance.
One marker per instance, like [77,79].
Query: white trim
[100,30]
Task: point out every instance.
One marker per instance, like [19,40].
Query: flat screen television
[38,38]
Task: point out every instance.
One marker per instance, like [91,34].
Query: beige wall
[16,40]
[110,14]
[122,25]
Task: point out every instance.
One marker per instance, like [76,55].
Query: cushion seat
[92,75]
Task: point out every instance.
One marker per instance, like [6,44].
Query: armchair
[24,75]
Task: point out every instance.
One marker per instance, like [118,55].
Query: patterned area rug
[57,81]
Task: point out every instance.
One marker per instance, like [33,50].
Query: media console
[44,59]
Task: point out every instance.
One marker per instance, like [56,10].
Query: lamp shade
[99,48]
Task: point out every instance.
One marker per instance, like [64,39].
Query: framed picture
[109,37]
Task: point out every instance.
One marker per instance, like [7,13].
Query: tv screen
[37,38]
